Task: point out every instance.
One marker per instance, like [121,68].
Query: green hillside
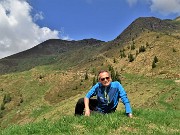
[40,87]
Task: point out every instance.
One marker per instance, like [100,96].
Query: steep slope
[146,23]
[54,47]
[48,52]
[161,39]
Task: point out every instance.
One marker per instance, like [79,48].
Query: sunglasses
[103,79]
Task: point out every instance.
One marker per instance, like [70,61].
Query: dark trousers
[79,109]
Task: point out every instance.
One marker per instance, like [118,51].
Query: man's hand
[130,115]
[87,112]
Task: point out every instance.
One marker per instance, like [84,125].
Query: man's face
[105,79]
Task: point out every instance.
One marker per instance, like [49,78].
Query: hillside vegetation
[40,86]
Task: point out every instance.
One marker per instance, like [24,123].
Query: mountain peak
[90,41]
[177,19]
[145,23]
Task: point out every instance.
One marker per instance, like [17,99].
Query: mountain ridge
[59,48]
[145,23]
[55,45]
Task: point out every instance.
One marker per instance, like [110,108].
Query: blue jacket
[108,98]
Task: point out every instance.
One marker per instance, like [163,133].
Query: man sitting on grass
[108,94]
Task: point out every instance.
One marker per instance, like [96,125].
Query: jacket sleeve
[92,91]
[124,98]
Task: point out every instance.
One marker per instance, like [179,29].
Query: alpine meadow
[39,87]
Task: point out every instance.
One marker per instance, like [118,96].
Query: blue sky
[26,23]
[100,19]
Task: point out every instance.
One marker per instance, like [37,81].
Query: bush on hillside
[174,50]
[132,46]
[2,106]
[155,59]
[1,114]
[142,49]
[137,52]
[153,64]
[114,74]
[114,60]
[86,76]
[122,53]
[95,80]
[7,98]
[131,57]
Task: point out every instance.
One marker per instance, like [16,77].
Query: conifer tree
[137,52]
[3,106]
[132,47]
[155,59]
[114,60]
[122,54]
[1,114]
[131,58]
[142,49]
[153,64]
[117,77]
[86,76]
[113,74]
[94,81]
[174,50]
[110,68]
[7,98]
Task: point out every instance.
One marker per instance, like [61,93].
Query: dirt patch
[126,129]
[177,81]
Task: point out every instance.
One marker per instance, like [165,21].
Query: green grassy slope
[155,104]
[145,122]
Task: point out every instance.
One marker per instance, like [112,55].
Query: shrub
[41,76]
[137,52]
[2,106]
[122,54]
[94,81]
[153,64]
[21,100]
[7,98]
[155,59]
[86,76]
[147,44]
[131,58]
[94,70]
[117,77]
[132,47]
[110,68]
[114,75]
[142,49]
[1,114]
[174,50]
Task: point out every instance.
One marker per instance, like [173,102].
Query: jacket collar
[100,85]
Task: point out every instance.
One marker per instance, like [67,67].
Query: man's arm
[87,97]
[125,101]
[86,103]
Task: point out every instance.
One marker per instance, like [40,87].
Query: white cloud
[18,32]
[164,7]
[38,16]
[132,2]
